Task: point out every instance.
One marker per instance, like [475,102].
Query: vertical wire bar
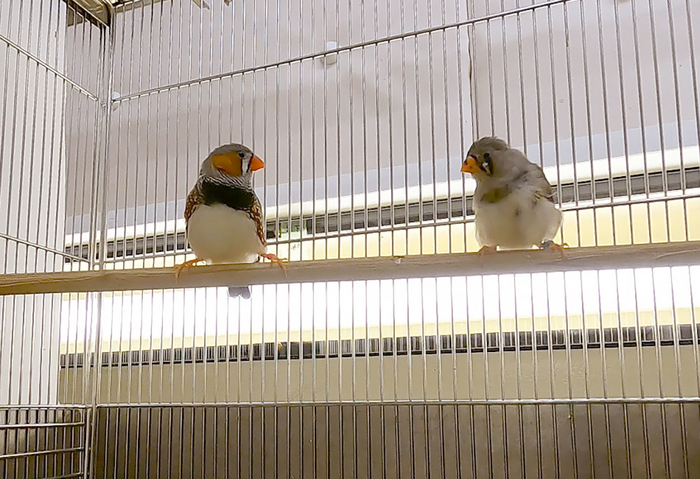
[506,90]
[105,83]
[380,224]
[13,301]
[56,300]
[116,398]
[169,75]
[642,126]
[175,293]
[489,64]
[679,123]
[9,299]
[275,349]
[570,98]
[381,350]
[326,172]
[181,433]
[395,359]
[502,376]
[255,142]
[289,238]
[519,378]
[411,452]
[535,369]
[521,81]
[694,74]
[239,384]
[570,375]
[314,240]
[142,298]
[662,135]
[32,144]
[453,344]
[555,124]
[640,363]
[339,157]
[302,357]
[290,245]
[694,324]
[604,367]
[88,303]
[46,256]
[623,369]
[606,120]
[625,138]
[199,298]
[606,116]
[421,218]
[587,375]
[552,378]
[679,373]
[366,227]
[474,107]
[438,341]
[487,381]
[404,60]
[131,296]
[327,388]
[659,365]
[89,298]
[151,293]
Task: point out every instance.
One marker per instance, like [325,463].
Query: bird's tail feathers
[235,292]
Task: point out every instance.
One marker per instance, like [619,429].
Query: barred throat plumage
[235,193]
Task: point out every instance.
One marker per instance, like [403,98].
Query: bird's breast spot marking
[517,212]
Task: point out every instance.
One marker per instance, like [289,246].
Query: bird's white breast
[516,221]
[220,234]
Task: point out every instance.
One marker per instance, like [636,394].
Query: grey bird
[513,202]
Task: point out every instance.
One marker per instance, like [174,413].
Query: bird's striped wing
[255,213]
[194,199]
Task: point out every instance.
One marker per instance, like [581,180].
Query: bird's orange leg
[552,246]
[274,259]
[186,265]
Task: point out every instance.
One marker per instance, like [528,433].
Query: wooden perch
[426,266]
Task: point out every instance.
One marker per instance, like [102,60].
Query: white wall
[32,194]
[367,114]
[306,120]
[583,88]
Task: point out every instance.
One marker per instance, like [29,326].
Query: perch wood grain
[532,261]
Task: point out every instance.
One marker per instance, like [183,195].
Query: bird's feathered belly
[220,234]
[520,220]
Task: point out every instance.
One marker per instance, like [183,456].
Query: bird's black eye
[241,155]
[486,163]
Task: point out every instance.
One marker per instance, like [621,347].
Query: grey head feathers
[504,170]
[488,144]
[243,179]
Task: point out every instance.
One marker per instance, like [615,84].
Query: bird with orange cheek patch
[513,201]
[223,214]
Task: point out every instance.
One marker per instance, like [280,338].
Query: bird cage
[389,348]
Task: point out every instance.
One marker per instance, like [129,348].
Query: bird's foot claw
[552,246]
[485,250]
[185,265]
[274,259]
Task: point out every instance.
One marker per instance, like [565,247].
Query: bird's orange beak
[470,165]
[256,163]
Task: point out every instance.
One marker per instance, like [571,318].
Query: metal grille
[362,112]
[40,441]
